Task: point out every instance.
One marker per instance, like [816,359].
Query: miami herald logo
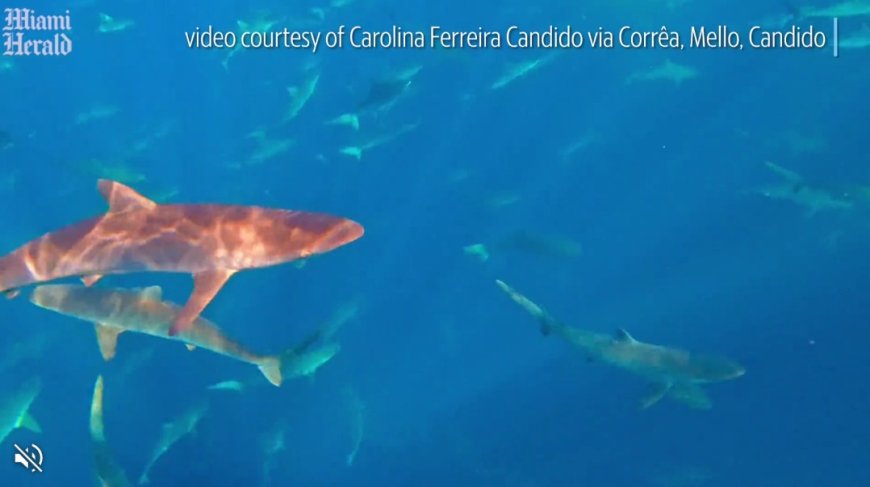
[25,33]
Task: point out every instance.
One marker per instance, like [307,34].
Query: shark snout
[343,233]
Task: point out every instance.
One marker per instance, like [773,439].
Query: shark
[515,71]
[382,95]
[115,311]
[305,359]
[356,151]
[673,372]
[210,241]
[846,8]
[109,24]
[795,189]
[109,472]
[15,408]
[668,71]
[272,443]
[173,432]
[299,96]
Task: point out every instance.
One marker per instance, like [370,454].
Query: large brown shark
[673,372]
[114,311]
[109,472]
[211,242]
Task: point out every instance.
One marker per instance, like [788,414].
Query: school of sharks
[213,242]
[71,271]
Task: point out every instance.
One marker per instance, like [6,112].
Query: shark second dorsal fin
[107,339]
[121,197]
[153,292]
[621,335]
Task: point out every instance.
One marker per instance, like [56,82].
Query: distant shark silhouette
[109,472]
[675,373]
[212,242]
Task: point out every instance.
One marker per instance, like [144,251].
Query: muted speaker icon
[30,458]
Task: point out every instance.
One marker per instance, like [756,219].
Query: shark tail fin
[271,369]
[352,151]
[349,119]
[144,480]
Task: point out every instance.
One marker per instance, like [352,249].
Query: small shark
[799,192]
[97,112]
[114,311]
[515,71]
[356,151]
[109,24]
[299,96]
[845,9]
[15,407]
[556,246]
[675,373]
[212,242]
[668,71]
[382,95]
[261,21]
[109,472]
[305,359]
[172,433]
[272,443]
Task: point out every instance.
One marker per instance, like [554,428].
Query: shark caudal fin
[352,151]
[349,119]
[270,367]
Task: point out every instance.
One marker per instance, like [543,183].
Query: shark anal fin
[121,197]
[107,339]
[205,286]
[91,279]
[656,395]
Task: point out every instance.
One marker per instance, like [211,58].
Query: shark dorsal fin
[153,292]
[621,335]
[121,197]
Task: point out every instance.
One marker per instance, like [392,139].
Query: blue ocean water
[441,379]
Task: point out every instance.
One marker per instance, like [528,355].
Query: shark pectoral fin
[91,279]
[11,293]
[691,395]
[190,347]
[28,422]
[271,369]
[107,339]
[656,395]
[205,286]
